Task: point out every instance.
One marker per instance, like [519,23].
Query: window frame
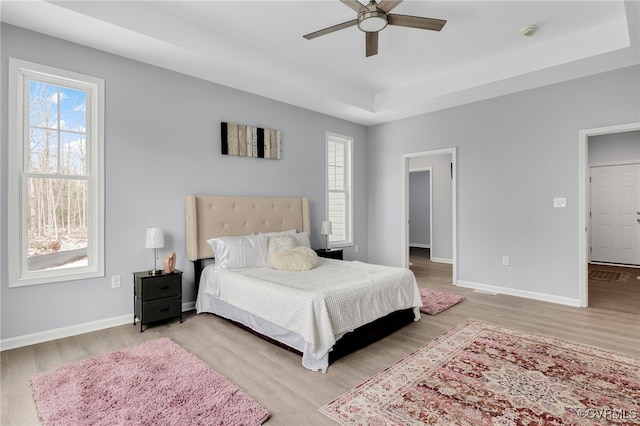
[20,73]
[347,141]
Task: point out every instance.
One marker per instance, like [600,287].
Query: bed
[321,313]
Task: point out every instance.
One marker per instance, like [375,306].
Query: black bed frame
[350,342]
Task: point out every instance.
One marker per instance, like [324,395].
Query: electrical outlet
[355,248]
[505,260]
[116,281]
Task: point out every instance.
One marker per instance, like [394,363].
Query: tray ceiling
[257,46]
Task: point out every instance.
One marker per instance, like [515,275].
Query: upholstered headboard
[210,216]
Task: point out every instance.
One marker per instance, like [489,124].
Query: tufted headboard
[210,216]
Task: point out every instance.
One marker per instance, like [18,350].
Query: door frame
[430,171]
[584,201]
[404,205]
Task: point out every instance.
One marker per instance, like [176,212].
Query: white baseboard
[442,260]
[419,245]
[62,332]
[73,330]
[520,293]
[621,265]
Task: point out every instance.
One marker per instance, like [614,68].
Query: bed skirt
[351,342]
[291,340]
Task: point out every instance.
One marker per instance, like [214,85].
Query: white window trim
[20,70]
[349,241]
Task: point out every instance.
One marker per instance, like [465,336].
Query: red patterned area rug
[434,301]
[155,383]
[485,374]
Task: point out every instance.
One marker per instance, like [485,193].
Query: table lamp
[155,240]
[326,231]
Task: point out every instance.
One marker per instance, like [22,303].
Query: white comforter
[319,304]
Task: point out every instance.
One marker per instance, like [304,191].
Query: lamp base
[155,271]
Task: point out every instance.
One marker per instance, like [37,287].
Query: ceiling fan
[375,17]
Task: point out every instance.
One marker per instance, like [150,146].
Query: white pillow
[246,251]
[295,259]
[278,233]
[303,239]
[207,262]
[278,243]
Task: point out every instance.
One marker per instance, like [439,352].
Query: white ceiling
[257,46]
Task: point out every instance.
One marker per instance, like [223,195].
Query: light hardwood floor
[276,378]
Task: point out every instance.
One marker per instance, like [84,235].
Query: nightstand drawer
[156,297]
[160,286]
[159,309]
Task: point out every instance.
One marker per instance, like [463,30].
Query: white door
[615,214]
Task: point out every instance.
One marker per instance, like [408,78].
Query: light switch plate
[559,203]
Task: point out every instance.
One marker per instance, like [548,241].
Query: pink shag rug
[437,301]
[155,383]
[480,374]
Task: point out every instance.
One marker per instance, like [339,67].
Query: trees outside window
[56,183]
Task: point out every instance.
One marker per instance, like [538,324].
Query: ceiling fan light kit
[371,22]
[374,18]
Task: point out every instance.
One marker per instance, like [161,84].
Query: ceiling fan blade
[355,5]
[387,5]
[372,44]
[330,29]
[416,22]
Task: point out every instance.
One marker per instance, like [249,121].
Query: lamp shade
[326,227]
[155,238]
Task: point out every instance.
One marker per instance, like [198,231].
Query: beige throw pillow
[295,259]
[279,243]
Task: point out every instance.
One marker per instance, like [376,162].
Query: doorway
[615,213]
[446,240]
[420,208]
[584,201]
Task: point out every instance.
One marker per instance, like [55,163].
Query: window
[56,183]
[339,200]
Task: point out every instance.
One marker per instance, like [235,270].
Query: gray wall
[419,209]
[162,143]
[442,238]
[515,154]
[614,148]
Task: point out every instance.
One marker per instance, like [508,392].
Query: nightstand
[156,297]
[331,253]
